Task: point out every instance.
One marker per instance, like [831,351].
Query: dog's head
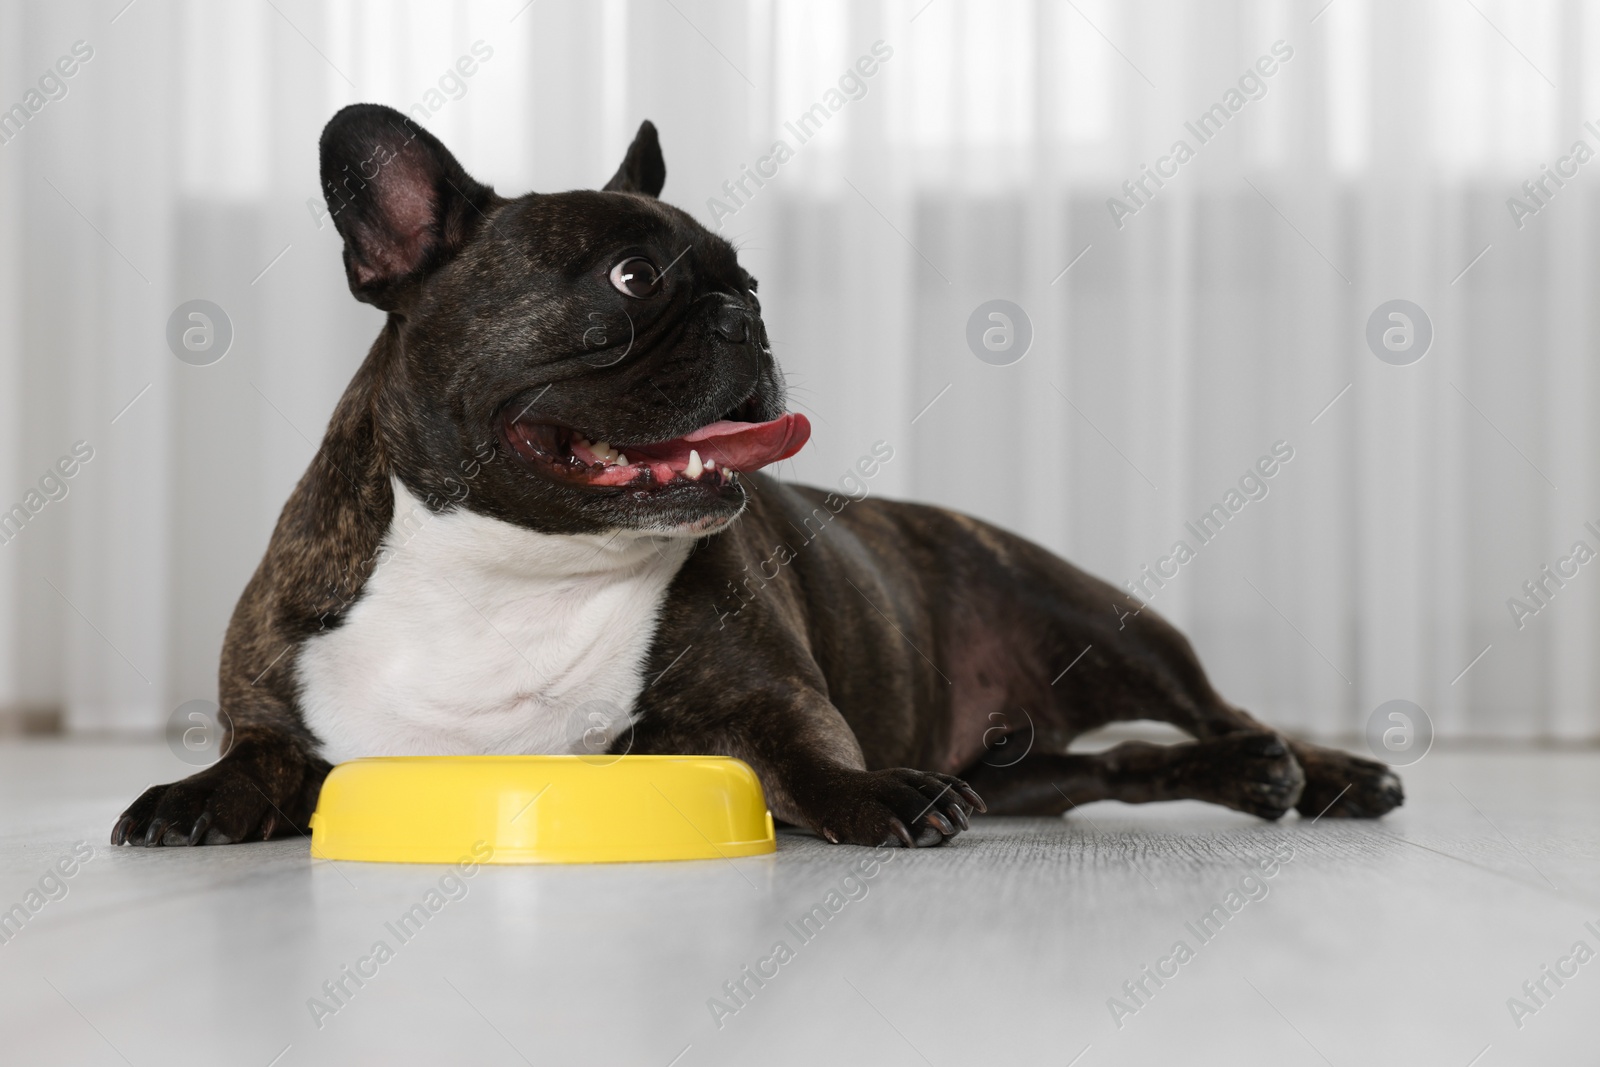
[573,362]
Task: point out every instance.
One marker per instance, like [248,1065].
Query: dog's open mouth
[712,455]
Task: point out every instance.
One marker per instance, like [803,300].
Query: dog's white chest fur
[475,636]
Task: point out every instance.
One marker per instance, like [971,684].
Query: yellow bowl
[541,809]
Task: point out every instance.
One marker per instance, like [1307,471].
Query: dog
[536,524]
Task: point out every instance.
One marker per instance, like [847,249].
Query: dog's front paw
[898,806]
[1342,786]
[215,807]
[222,804]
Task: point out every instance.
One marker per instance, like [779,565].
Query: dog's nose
[731,322]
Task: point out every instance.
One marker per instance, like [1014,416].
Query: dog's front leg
[811,766]
[266,785]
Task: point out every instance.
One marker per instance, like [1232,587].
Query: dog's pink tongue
[748,446]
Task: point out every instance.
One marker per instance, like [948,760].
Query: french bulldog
[536,525]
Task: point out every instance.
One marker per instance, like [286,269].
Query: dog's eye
[636,277]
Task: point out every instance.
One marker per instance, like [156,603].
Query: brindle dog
[575,391]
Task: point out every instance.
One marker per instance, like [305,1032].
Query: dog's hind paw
[1342,786]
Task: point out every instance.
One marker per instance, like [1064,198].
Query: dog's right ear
[643,170]
[399,199]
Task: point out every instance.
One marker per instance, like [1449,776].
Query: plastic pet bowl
[541,809]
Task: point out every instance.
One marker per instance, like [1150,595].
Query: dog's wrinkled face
[575,362]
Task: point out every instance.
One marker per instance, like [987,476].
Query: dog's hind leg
[1249,772]
[1083,654]
[1150,671]
[1338,785]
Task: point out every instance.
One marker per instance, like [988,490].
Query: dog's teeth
[622,459]
[711,464]
[692,471]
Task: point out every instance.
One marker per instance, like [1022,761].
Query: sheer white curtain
[1225,314]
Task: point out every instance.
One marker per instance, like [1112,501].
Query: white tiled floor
[1390,943]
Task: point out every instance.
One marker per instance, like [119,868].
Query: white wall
[1217,320]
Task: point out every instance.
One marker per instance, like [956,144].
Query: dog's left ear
[643,170]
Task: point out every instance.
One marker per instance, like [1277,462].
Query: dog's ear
[643,170]
[399,199]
